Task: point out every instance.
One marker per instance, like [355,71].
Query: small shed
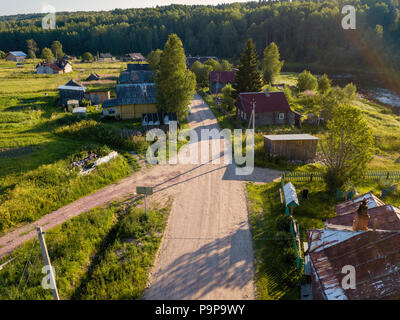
[79,112]
[17,56]
[290,195]
[292,146]
[71,91]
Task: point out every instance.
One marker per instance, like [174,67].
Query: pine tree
[271,64]
[175,83]
[248,78]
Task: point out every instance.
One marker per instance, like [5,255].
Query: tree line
[306,32]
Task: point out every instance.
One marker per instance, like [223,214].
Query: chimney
[361,219]
[267,93]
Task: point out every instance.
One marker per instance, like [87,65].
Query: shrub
[283,223]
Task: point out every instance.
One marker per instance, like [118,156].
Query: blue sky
[33,6]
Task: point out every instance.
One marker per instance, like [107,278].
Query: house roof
[135,56]
[74,83]
[222,76]
[374,255]
[290,195]
[290,137]
[133,94]
[387,218]
[74,88]
[106,55]
[93,76]
[18,53]
[271,102]
[138,66]
[352,205]
[138,76]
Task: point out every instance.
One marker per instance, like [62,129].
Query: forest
[307,32]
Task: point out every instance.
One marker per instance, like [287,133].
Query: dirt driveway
[206,252]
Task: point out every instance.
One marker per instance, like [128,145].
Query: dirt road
[206,252]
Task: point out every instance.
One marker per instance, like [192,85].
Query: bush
[306,81]
[283,239]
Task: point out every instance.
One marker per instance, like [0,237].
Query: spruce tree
[248,78]
[271,64]
[175,83]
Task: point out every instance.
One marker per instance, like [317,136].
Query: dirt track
[206,252]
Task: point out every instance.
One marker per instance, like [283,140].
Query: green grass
[38,141]
[103,254]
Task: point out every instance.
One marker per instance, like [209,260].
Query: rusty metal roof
[352,205]
[375,256]
[387,218]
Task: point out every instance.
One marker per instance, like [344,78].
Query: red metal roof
[222,76]
[387,218]
[374,255]
[353,204]
[264,102]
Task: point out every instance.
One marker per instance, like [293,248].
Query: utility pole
[47,263]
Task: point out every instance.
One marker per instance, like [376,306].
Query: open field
[38,141]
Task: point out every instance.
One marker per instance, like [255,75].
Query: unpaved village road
[206,252]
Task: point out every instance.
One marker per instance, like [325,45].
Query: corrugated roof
[72,88]
[137,76]
[374,255]
[290,194]
[290,137]
[352,205]
[264,102]
[387,218]
[133,94]
[18,53]
[135,56]
[138,66]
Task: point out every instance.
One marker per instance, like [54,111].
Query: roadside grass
[102,254]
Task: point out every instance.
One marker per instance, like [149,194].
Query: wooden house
[17,56]
[291,146]
[219,79]
[93,77]
[73,90]
[271,108]
[134,57]
[58,67]
[106,57]
[133,100]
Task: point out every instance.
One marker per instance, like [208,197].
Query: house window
[281,116]
[111,111]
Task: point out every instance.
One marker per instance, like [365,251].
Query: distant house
[219,79]
[58,67]
[134,57]
[191,60]
[137,77]
[97,97]
[271,108]
[106,57]
[68,58]
[365,235]
[93,77]
[73,90]
[133,100]
[17,56]
[138,67]
[291,146]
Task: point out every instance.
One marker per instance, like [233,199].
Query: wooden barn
[97,97]
[17,56]
[58,67]
[73,90]
[133,100]
[291,146]
[134,57]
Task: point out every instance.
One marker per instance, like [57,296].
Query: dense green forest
[305,31]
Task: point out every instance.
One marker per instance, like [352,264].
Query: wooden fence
[374,175]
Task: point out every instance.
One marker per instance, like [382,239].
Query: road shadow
[224,263]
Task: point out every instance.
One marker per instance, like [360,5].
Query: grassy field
[106,253]
[38,141]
